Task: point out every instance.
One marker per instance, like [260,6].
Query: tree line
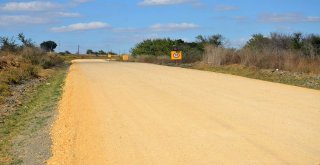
[10,44]
[306,45]
[100,52]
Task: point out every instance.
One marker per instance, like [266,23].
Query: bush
[192,51]
[20,74]
[220,56]
[4,89]
[51,61]
[263,59]
[34,55]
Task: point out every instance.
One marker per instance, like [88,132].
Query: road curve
[135,114]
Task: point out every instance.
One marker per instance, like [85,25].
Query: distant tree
[297,41]
[279,41]
[201,39]
[67,52]
[315,42]
[101,52]
[257,42]
[8,44]
[155,47]
[89,51]
[26,42]
[311,46]
[192,52]
[48,46]
[111,53]
[216,40]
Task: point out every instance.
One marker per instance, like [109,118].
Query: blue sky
[119,25]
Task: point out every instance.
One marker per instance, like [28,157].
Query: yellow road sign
[125,57]
[176,55]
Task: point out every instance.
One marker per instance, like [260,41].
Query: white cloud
[67,14]
[28,6]
[81,27]
[127,30]
[225,8]
[6,20]
[173,27]
[287,18]
[313,19]
[164,2]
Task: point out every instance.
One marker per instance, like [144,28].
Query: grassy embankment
[305,74]
[311,81]
[32,115]
[285,58]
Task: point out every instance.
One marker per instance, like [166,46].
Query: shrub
[19,74]
[34,55]
[51,61]
[289,60]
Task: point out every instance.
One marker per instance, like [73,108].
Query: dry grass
[151,59]
[265,59]
[18,67]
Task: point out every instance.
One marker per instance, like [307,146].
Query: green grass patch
[284,77]
[32,115]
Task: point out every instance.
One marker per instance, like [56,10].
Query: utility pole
[78,50]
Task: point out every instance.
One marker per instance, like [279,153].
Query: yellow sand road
[135,114]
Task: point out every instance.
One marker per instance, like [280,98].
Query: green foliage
[308,45]
[192,52]
[48,46]
[314,44]
[51,61]
[29,118]
[89,51]
[4,89]
[20,74]
[26,42]
[156,47]
[8,44]
[34,55]
[257,42]
[100,52]
[216,40]
[111,53]
[65,53]
[297,42]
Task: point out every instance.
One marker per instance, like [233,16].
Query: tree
[48,46]
[8,44]
[279,41]
[111,53]
[311,46]
[26,42]
[201,39]
[89,51]
[297,41]
[216,40]
[315,42]
[67,52]
[101,52]
[257,42]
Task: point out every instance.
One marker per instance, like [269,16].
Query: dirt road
[135,114]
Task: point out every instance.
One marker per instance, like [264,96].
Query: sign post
[125,57]
[176,55]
